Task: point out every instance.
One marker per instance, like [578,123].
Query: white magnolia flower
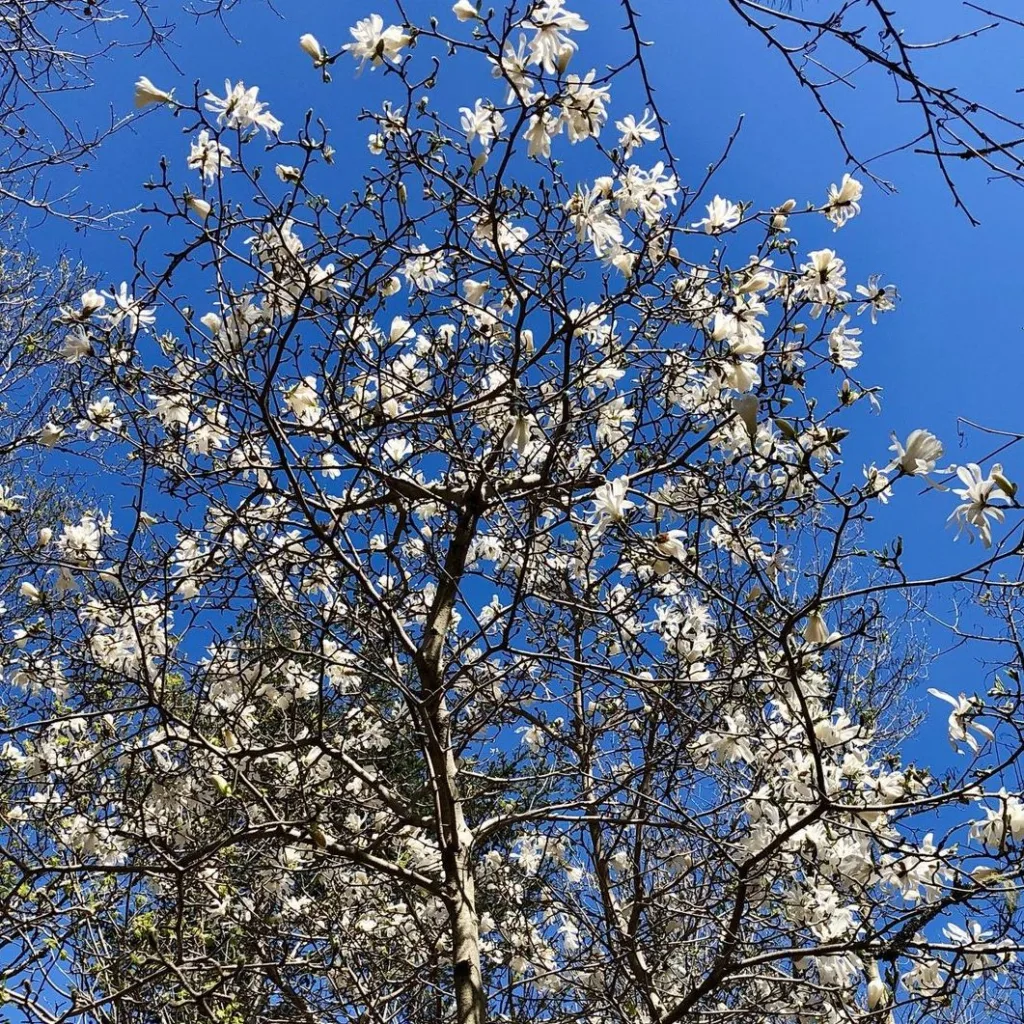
[397,448]
[740,375]
[824,275]
[878,992]
[977,950]
[400,330]
[80,542]
[374,42]
[77,345]
[611,503]
[918,455]
[146,93]
[647,192]
[723,215]
[534,738]
[482,122]
[584,107]
[551,46]
[539,133]
[288,174]
[635,133]
[91,302]
[128,308]
[671,545]
[727,744]
[425,270]
[200,207]
[745,408]
[464,10]
[876,484]
[815,631]
[240,108]
[978,496]
[99,416]
[780,215]
[843,344]
[878,298]
[303,401]
[593,218]
[961,724]
[208,156]
[843,201]
[50,434]
[1005,821]
[520,432]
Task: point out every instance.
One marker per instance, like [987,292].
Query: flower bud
[288,174]
[198,206]
[878,992]
[146,93]
[311,45]
[464,10]
[815,632]
[221,784]
[50,435]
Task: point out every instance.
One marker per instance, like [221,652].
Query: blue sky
[953,347]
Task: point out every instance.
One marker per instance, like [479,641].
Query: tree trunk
[454,836]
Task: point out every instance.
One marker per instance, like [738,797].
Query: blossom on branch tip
[550,46]
[611,503]
[918,455]
[843,201]
[465,10]
[311,45]
[961,720]
[978,496]
[209,157]
[723,215]
[240,108]
[635,133]
[146,93]
[198,206]
[374,43]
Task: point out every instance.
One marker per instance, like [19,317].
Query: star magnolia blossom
[843,201]
[635,133]
[240,108]
[209,157]
[918,455]
[979,496]
[611,503]
[723,215]
[464,10]
[375,43]
[961,724]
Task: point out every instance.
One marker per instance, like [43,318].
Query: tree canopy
[482,621]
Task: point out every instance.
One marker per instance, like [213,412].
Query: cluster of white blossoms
[486,575]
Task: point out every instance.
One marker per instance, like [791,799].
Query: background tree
[493,629]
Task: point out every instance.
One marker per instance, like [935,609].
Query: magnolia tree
[484,623]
